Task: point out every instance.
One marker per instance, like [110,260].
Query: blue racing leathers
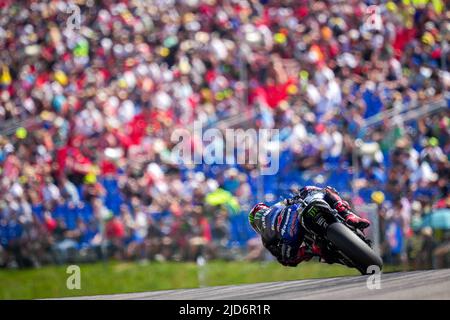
[282,233]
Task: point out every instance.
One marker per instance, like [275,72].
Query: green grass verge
[123,277]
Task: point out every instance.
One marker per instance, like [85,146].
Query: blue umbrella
[438,219]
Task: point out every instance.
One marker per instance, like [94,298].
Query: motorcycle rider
[281,231]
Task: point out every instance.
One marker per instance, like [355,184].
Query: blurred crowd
[88,107]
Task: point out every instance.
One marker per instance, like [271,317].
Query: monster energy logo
[313,211]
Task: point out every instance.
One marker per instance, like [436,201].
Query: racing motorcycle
[338,241]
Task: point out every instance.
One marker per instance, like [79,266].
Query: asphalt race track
[432,284]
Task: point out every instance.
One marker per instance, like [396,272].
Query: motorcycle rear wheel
[354,248]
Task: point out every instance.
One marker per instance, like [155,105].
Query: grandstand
[86,116]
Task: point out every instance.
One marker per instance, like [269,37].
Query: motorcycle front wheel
[353,248]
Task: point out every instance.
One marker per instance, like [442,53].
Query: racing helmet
[254,217]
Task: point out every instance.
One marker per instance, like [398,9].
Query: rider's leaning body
[280,229]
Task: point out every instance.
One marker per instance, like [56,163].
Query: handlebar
[296,199]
